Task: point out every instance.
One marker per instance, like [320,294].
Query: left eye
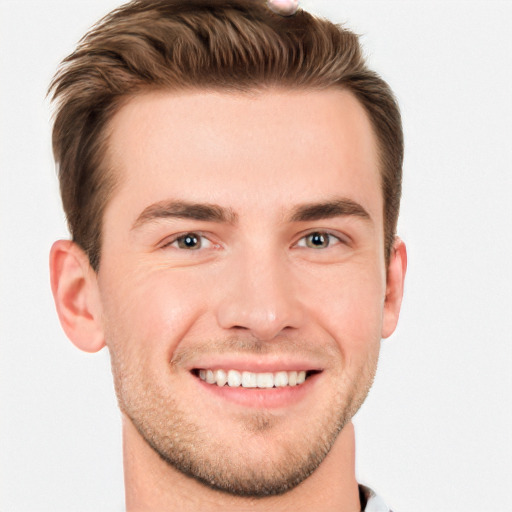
[318,240]
[190,242]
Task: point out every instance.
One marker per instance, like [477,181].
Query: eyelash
[182,236]
[202,238]
[330,237]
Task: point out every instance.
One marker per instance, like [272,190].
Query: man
[231,179]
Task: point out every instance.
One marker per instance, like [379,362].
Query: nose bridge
[259,294]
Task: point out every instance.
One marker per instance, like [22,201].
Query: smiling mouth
[261,380]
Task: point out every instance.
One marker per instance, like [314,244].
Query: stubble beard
[188,447]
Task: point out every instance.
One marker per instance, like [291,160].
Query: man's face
[245,236]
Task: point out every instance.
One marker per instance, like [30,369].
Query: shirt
[370,502]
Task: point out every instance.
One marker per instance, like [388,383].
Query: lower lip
[270,398]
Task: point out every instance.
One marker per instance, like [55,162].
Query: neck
[153,485]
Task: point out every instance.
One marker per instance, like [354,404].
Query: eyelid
[340,237]
[169,240]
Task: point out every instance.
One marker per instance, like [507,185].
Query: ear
[394,287]
[75,292]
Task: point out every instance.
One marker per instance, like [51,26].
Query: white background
[436,431]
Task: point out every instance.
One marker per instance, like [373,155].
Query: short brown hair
[236,45]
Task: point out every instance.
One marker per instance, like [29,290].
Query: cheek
[150,310]
[349,306]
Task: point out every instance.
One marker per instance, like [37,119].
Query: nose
[259,296]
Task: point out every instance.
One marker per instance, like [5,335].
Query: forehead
[260,149]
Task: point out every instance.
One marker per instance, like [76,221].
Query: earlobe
[394,287]
[75,293]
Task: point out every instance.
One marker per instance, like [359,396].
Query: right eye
[189,241]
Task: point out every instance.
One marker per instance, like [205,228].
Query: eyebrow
[185,210]
[215,213]
[336,208]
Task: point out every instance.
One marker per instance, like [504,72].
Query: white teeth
[281,379]
[249,380]
[234,378]
[221,377]
[265,380]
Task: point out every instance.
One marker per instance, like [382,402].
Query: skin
[256,295]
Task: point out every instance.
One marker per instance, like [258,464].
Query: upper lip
[254,364]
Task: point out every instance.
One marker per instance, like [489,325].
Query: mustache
[186,353]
